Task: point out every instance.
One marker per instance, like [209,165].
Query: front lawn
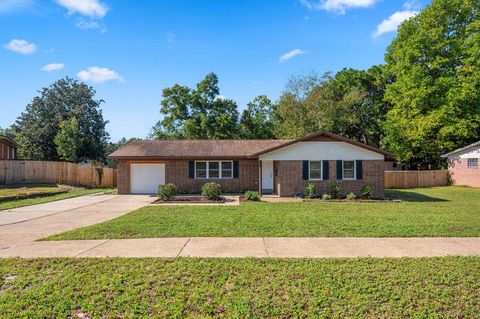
[49,193]
[439,211]
[240,288]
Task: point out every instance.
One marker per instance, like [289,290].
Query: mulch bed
[364,200]
[31,195]
[190,200]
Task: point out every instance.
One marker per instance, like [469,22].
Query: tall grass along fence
[412,179]
[34,172]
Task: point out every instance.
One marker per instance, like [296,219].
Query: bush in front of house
[309,190]
[252,196]
[335,191]
[212,191]
[326,197]
[167,191]
[367,192]
[351,196]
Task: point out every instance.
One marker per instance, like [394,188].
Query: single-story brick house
[8,148]
[463,165]
[282,167]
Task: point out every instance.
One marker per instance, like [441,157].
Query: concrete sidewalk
[221,247]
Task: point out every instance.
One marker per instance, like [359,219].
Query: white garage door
[145,178]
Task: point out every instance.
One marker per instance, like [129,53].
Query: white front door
[145,178]
[267,176]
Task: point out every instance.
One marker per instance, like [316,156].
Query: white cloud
[287,56]
[21,46]
[91,8]
[9,5]
[53,67]
[86,25]
[338,6]
[99,75]
[392,22]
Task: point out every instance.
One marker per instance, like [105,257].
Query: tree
[258,119]
[63,100]
[293,111]
[436,94]
[199,113]
[67,141]
[349,103]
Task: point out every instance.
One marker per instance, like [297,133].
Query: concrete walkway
[219,247]
[21,226]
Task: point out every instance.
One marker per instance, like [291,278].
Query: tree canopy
[199,113]
[51,114]
[258,119]
[349,103]
[435,61]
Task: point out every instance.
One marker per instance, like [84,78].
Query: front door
[267,177]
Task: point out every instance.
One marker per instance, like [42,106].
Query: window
[227,171]
[348,169]
[213,170]
[200,169]
[472,163]
[315,170]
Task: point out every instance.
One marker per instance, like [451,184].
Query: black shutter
[325,170]
[191,169]
[305,170]
[359,169]
[339,170]
[235,169]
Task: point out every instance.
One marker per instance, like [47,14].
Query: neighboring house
[8,148]
[282,167]
[463,165]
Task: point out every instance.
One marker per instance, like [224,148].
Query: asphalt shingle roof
[195,148]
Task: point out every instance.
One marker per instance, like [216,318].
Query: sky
[130,50]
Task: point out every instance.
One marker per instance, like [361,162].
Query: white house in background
[463,165]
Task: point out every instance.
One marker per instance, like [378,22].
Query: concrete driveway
[26,224]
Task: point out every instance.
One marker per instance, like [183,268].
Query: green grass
[440,211]
[240,288]
[39,200]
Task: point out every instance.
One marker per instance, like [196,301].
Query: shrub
[351,196]
[167,191]
[326,197]
[212,191]
[252,195]
[309,190]
[367,191]
[335,191]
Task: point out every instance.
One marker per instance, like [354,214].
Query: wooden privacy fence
[411,179]
[32,172]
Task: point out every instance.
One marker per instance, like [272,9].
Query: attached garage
[145,178]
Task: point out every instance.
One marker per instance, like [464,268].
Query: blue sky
[130,50]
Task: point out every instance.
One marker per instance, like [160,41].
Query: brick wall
[123,177]
[462,175]
[289,179]
[177,172]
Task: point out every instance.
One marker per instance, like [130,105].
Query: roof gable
[463,149]
[327,136]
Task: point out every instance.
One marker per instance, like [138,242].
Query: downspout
[260,177]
